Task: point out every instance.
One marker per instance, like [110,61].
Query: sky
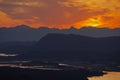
[60,14]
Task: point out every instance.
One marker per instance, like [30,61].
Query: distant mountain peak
[22,26]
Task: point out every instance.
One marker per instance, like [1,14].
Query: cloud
[27,3]
[59,13]
[7,21]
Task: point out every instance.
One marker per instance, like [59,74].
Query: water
[108,76]
[7,55]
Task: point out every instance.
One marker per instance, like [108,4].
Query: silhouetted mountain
[77,47]
[26,33]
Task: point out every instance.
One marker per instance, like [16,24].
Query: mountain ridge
[76,47]
[26,33]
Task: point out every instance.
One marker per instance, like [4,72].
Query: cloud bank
[60,13]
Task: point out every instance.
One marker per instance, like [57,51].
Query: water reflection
[7,55]
[29,67]
[108,76]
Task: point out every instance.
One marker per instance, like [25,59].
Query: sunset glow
[60,13]
[92,22]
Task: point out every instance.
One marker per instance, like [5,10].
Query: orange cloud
[60,13]
[7,21]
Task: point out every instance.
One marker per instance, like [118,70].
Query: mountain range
[92,44]
[26,33]
[70,46]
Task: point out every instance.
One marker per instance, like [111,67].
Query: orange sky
[60,13]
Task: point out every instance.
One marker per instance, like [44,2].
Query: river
[108,76]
